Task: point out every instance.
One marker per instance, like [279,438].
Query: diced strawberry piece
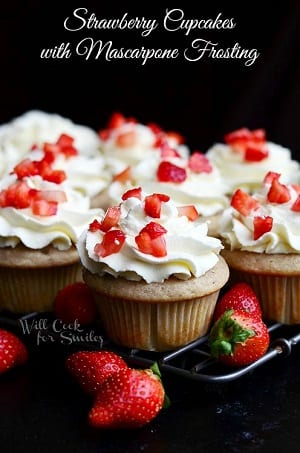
[44,208]
[49,157]
[255,152]
[296,187]
[104,134]
[135,192]
[126,139]
[176,136]
[168,172]
[65,140]
[296,205]
[153,204]
[238,137]
[69,151]
[116,120]
[154,229]
[188,211]
[26,167]
[94,226]
[270,176]
[199,163]
[18,195]
[151,240]
[243,202]
[155,247]
[261,226]
[56,176]
[51,147]
[155,128]
[278,193]
[111,218]
[258,135]
[59,196]
[124,175]
[112,242]
[166,151]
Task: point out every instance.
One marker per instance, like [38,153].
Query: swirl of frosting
[62,229]
[205,190]
[189,250]
[272,225]
[238,172]
[36,127]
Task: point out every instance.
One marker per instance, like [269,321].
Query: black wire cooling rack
[192,361]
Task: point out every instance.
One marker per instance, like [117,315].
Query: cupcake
[41,218]
[36,127]
[261,235]
[246,156]
[189,180]
[125,142]
[155,273]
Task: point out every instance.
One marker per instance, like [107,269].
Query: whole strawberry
[91,368]
[130,398]
[238,338]
[239,297]
[75,302]
[13,352]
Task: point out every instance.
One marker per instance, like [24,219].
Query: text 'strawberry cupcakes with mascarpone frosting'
[41,218]
[188,181]
[125,142]
[155,274]
[261,234]
[246,156]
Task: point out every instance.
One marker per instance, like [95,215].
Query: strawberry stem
[155,369]
[226,333]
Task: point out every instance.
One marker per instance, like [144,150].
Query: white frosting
[284,237]
[190,251]
[37,127]
[35,232]
[206,191]
[238,172]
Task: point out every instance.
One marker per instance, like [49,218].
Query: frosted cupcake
[36,127]
[125,142]
[188,181]
[261,234]
[156,275]
[246,156]
[41,218]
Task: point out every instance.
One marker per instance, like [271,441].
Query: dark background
[202,99]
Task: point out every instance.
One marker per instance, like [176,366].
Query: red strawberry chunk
[151,240]
[136,192]
[26,167]
[56,176]
[126,139]
[153,204]
[296,205]
[168,172]
[111,218]
[199,163]
[189,211]
[176,136]
[17,195]
[270,176]
[123,176]
[44,208]
[255,152]
[261,226]
[65,140]
[167,152]
[278,193]
[243,202]
[112,242]
[94,226]
[116,120]
[238,138]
